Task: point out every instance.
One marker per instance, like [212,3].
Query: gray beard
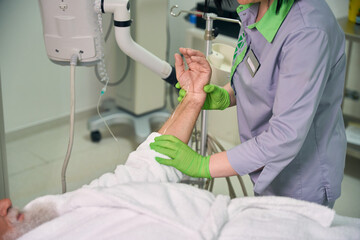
[33,217]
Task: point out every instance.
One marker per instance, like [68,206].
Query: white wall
[178,26]
[34,89]
[350,107]
[340,8]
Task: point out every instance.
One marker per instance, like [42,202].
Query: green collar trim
[239,59]
[270,23]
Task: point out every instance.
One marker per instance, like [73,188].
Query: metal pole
[4,185]
[209,33]
[348,57]
[209,36]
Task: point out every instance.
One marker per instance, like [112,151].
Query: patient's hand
[198,73]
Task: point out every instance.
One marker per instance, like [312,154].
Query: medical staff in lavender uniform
[287,83]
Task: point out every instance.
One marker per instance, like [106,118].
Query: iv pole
[206,139]
[209,36]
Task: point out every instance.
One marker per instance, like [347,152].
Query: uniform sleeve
[305,66]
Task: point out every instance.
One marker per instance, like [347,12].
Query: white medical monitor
[70,27]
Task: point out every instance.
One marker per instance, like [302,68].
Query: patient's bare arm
[184,118]
[193,80]
[182,122]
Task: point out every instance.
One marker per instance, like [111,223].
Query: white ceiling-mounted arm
[122,23]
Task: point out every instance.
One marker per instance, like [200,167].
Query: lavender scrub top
[289,113]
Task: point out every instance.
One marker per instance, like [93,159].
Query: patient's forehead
[6,202]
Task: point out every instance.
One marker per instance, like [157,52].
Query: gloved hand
[217,98]
[182,92]
[182,157]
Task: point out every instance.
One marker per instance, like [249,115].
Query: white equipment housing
[70,27]
[73,35]
[136,93]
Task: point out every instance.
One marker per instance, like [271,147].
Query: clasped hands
[192,81]
[195,80]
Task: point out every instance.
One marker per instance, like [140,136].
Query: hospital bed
[144,200]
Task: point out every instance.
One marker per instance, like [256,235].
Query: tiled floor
[35,162]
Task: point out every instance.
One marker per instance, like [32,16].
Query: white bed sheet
[143,201]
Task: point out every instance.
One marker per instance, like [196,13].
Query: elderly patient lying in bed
[144,200]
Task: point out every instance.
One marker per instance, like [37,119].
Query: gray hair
[33,217]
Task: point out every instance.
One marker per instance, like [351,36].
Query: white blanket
[142,200]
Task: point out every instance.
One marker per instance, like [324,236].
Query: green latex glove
[182,157]
[217,98]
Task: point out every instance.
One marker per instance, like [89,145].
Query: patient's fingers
[179,66]
[191,52]
[188,53]
[201,62]
[199,59]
